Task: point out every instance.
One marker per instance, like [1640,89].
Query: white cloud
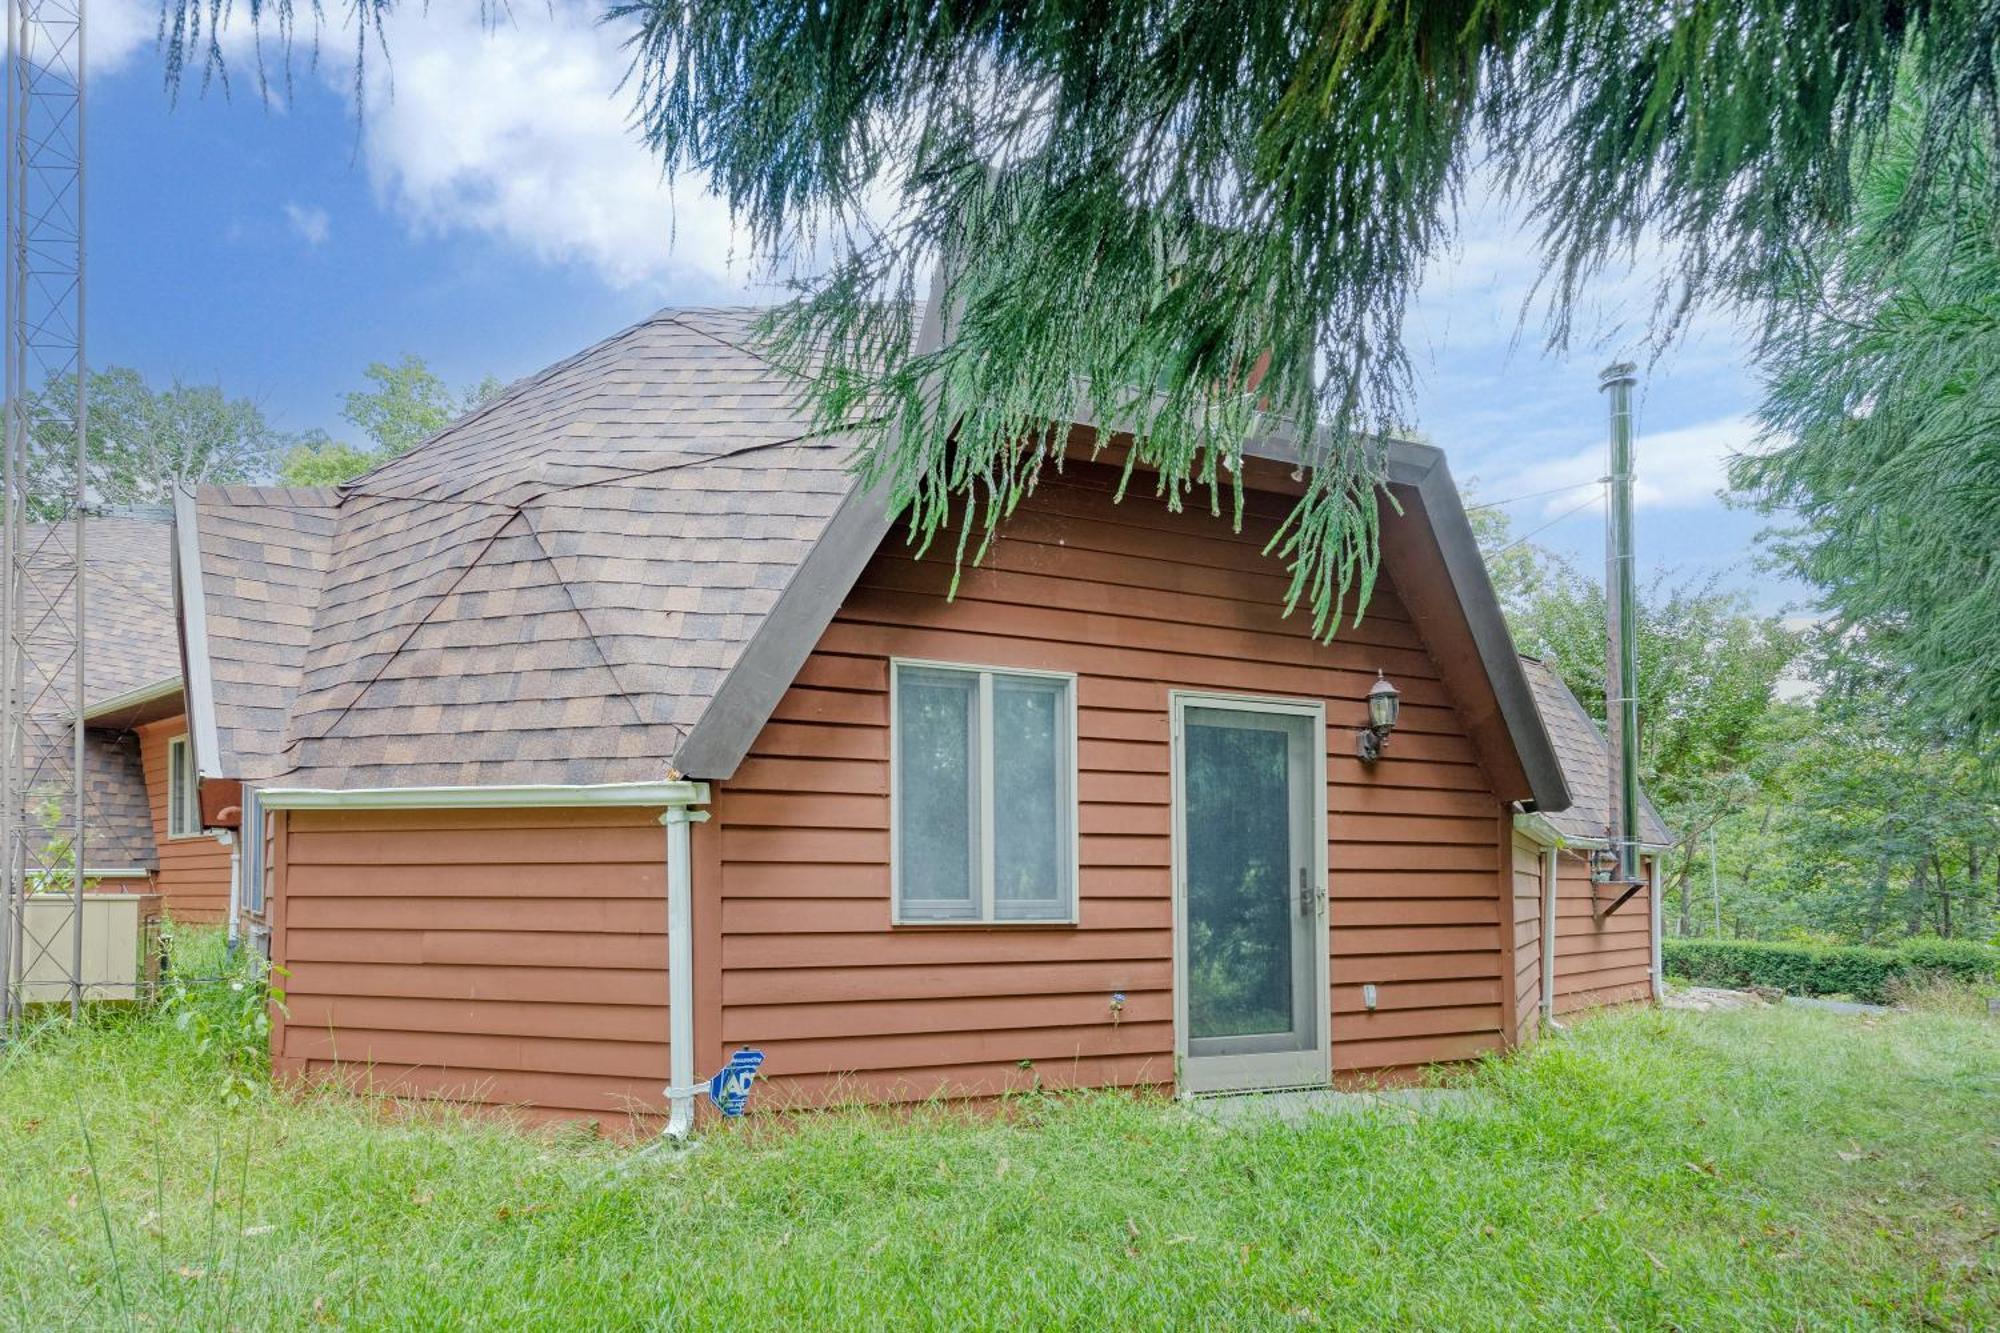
[514,128]
[310,222]
[121,31]
[118,29]
[1674,469]
[517,130]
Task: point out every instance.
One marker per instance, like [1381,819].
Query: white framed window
[183,796]
[982,794]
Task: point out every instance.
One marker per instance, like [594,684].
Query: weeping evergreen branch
[1198,220]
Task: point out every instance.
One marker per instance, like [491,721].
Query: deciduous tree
[407,405]
[143,441]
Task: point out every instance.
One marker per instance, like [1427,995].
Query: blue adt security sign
[730,1088]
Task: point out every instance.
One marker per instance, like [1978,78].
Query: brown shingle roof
[131,644]
[264,551]
[547,591]
[1585,756]
[561,586]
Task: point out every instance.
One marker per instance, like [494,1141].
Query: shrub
[1813,969]
[220,1003]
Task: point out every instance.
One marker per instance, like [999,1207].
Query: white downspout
[229,839]
[680,969]
[1551,869]
[1659,964]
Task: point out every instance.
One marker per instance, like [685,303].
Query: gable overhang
[147,703]
[1430,548]
[1436,562]
[191,611]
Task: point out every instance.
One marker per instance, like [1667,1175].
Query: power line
[1576,509]
[1536,495]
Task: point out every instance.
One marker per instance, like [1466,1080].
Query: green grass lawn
[1766,1169]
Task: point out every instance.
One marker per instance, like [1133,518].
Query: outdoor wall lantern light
[1384,702]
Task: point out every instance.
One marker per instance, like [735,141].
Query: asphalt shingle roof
[1585,756]
[548,590]
[129,605]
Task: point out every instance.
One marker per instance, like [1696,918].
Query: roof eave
[192,607]
[133,700]
[1547,834]
[768,664]
[540,796]
[1423,468]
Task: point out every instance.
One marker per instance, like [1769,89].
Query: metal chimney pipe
[1621,678]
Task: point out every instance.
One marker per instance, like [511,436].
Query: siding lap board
[507,956]
[1599,962]
[193,875]
[1137,602]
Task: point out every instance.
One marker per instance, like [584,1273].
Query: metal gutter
[528,796]
[193,605]
[1548,835]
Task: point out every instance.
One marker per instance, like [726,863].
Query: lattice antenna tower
[47,486]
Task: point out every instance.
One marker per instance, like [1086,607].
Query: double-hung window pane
[985,796]
[937,757]
[1031,800]
[183,805]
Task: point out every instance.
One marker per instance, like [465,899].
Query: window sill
[1070,923]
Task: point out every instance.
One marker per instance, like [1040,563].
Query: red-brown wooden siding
[1137,601]
[193,878]
[1528,891]
[1599,962]
[515,957]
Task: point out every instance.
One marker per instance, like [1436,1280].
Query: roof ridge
[597,645]
[512,391]
[292,732]
[675,317]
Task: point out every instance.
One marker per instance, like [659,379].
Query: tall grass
[1758,1169]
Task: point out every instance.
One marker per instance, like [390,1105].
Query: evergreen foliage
[1883,398]
[1202,221]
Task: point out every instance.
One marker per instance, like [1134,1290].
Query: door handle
[1309,897]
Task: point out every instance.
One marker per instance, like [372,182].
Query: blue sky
[484,206]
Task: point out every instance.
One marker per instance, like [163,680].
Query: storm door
[1250,893]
